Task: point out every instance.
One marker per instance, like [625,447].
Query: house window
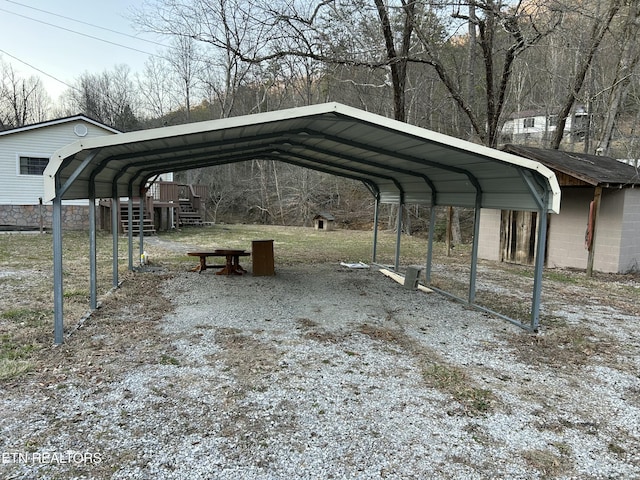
[529,122]
[33,165]
[552,120]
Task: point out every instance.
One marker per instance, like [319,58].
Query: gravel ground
[325,372]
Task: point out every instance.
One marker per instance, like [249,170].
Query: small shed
[324,221]
[597,227]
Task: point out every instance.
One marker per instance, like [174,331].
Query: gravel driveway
[325,372]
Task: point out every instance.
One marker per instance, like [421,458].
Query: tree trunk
[397,62]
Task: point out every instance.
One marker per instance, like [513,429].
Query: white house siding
[489,236]
[20,194]
[630,238]
[516,126]
[16,189]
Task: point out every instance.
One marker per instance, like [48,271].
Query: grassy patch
[296,245]
[512,306]
[457,383]
[615,448]
[76,294]
[169,360]
[564,277]
[16,356]
[550,464]
[26,316]
[12,350]
[26,297]
[10,368]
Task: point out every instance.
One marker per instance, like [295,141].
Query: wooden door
[518,237]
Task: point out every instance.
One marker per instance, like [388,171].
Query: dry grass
[26,303]
[550,463]
[296,245]
[436,372]
[565,346]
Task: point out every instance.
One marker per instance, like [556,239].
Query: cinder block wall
[609,232]
[567,230]
[630,238]
[489,239]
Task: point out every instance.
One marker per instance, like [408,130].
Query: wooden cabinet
[262,256]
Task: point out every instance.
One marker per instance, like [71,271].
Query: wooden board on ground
[400,279]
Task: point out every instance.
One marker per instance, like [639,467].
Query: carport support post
[474,252]
[537,276]
[396,264]
[130,230]
[432,229]
[141,223]
[115,210]
[376,218]
[58,323]
[93,275]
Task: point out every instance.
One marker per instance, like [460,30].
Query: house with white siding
[536,126]
[24,154]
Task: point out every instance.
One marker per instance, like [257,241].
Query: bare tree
[221,28]
[184,59]
[22,100]
[624,70]
[503,31]
[155,87]
[109,97]
[600,23]
[408,32]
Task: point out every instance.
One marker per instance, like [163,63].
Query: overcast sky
[29,35]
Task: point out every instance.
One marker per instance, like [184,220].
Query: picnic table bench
[232,265]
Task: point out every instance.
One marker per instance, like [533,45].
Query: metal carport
[398,162]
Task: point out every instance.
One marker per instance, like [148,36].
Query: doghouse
[324,221]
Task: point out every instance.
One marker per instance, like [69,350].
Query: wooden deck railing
[164,193]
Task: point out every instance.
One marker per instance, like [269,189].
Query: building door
[518,237]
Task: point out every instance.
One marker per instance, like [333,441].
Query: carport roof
[399,162]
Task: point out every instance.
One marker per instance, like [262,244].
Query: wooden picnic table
[232,265]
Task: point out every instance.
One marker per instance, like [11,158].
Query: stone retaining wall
[74,217]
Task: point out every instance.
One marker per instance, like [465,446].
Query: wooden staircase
[189,216]
[166,205]
[147,222]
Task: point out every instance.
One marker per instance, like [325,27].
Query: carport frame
[311,137]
